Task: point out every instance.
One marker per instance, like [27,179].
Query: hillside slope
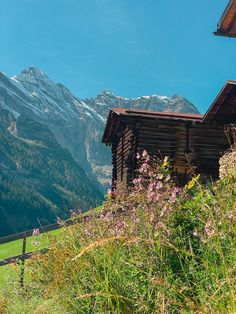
[39,180]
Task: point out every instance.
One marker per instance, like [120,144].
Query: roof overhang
[117,114]
[227,24]
[223,109]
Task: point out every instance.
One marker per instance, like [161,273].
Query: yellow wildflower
[192,183]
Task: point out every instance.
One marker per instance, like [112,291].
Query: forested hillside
[39,180]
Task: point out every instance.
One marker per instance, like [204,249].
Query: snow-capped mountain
[107,100]
[77,124]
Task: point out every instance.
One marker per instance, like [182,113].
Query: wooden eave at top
[111,127]
[227,24]
[117,115]
[223,109]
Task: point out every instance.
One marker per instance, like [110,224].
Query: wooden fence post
[23,262]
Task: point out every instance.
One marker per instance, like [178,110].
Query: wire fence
[26,234]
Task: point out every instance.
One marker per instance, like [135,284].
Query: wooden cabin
[227,23]
[187,139]
[223,109]
[182,137]
[223,112]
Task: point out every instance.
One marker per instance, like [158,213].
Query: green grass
[171,251]
[182,261]
[15,247]
[5,272]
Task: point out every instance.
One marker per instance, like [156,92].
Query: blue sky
[131,47]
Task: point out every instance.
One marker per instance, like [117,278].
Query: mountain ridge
[76,125]
[102,103]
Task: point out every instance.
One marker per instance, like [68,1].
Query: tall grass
[156,249]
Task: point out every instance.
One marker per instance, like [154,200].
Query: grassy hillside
[14,248]
[33,243]
[158,249]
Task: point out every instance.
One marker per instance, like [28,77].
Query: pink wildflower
[150,187]
[88,218]
[144,167]
[36,232]
[120,226]
[144,154]
[150,196]
[140,179]
[159,185]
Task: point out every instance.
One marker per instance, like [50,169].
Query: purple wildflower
[159,185]
[36,232]
[144,167]
[120,226]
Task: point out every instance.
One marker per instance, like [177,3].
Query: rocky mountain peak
[107,100]
[33,72]
[106,93]
[105,96]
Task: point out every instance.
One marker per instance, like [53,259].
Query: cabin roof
[222,111]
[227,24]
[223,108]
[116,114]
[158,114]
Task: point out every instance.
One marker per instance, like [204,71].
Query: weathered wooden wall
[123,152]
[203,144]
